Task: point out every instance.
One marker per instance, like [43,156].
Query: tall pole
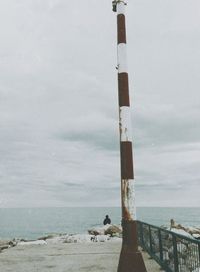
[130,258]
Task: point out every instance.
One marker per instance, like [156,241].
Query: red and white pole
[130,258]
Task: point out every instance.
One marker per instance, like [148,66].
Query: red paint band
[126,160]
[123,89]
[129,228]
[121,28]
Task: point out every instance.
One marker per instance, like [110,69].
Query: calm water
[33,223]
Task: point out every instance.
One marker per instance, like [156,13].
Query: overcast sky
[59,138]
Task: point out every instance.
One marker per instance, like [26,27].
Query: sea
[32,223]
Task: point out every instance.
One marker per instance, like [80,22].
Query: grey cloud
[177,125]
[59,138]
[99,140]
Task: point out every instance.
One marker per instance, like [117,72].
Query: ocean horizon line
[76,207]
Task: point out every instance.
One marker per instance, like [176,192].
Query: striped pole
[130,258]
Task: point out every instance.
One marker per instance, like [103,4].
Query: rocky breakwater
[108,233]
[5,244]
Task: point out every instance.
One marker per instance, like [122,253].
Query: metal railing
[173,252]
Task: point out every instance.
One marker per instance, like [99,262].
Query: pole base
[130,261]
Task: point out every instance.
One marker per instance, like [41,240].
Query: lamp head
[114,5]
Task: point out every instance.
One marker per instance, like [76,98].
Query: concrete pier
[78,257]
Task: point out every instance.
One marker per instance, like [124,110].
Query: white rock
[181,247]
[37,242]
[56,240]
[182,267]
[78,238]
[102,238]
[193,229]
[165,255]
[196,235]
[196,270]
[182,232]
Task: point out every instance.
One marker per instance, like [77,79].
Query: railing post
[199,254]
[176,268]
[150,240]
[142,235]
[139,233]
[160,245]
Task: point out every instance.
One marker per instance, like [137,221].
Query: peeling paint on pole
[125,124]
[128,200]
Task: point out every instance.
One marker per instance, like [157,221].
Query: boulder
[113,231]
[196,236]
[4,244]
[99,230]
[190,232]
[181,232]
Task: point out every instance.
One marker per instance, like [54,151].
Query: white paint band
[122,58]
[128,197]
[125,124]
[121,8]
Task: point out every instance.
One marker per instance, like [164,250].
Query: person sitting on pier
[107,220]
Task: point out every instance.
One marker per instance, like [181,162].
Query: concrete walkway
[84,257]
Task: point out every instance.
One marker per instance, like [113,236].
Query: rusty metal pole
[130,258]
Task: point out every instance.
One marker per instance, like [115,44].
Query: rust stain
[126,214]
[125,200]
[120,123]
